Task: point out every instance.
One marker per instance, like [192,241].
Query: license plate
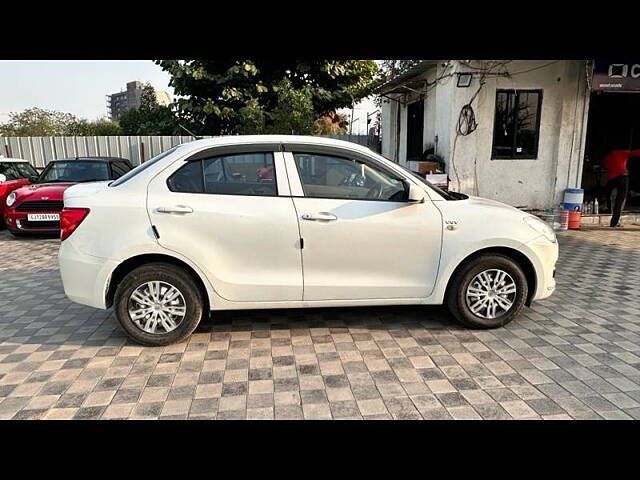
[43,217]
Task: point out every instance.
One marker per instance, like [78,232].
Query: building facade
[512,131]
[130,98]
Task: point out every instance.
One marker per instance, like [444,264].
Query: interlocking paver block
[574,355]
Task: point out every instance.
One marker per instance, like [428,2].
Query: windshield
[142,167]
[17,170]
[75,171]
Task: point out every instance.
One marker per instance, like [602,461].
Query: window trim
[344,156]
[513,155]
[201,157]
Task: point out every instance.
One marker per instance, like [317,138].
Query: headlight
[11,199]
[541,227]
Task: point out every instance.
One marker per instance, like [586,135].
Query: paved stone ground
[575,355]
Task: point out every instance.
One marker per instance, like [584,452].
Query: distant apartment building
[130,98]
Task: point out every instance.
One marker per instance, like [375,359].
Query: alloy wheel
[491,293]
[157,307]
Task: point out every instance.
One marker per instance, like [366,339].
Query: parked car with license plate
[291,221]
[14,173]
[36,208]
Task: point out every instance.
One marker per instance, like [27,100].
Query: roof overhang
[409,81]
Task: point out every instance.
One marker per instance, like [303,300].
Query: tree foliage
[253,96]
[149,118]
[37,122]
[392,68]
[292,114]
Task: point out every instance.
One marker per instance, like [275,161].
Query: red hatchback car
[36,208]
[14,173]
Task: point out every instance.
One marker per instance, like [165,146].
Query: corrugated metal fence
[40,150]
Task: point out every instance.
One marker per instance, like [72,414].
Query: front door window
[324,176]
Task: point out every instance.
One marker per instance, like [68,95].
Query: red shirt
[616,162]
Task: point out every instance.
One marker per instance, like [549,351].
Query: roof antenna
[190,133]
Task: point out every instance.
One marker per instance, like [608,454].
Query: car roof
[250,139]
[95,159]
[16,160]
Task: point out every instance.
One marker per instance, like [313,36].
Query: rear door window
[244,174]
[241,174]
[188,179]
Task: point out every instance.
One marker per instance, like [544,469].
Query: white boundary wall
[40,150]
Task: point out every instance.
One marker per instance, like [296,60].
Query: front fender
[453,258]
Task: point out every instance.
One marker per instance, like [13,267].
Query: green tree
[100,127]
[37,122]
[234,96]
[104,127]
[149,118]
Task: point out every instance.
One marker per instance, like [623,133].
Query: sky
[80,86]
[77,87]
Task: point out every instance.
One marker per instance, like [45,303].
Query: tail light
[70,219]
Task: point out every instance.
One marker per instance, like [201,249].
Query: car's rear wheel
[487,292]
[158,304]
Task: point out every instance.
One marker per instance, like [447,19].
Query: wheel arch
[520,258]
[136,261]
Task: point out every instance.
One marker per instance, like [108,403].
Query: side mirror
[3,177]
[33,178]
[416,194]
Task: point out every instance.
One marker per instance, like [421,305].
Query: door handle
[320,217]
[179,209]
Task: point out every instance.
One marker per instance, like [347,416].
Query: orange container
[574,219]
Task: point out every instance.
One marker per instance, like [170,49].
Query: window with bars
[516,127]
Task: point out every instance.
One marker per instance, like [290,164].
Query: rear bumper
[545,256]
[85,278]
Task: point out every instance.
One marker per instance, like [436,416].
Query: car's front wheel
[487,292]
[158,304]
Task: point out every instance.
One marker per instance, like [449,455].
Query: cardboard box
[423,167]
[438,179]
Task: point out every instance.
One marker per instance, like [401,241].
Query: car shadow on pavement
[376,317]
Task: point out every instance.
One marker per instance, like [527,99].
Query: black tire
[163,272]
[456,294]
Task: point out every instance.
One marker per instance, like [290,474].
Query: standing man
[617,178]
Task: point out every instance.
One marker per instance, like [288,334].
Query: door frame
[159,181]
[289,148]
[411,141]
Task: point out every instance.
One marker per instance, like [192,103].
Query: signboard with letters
[620,76]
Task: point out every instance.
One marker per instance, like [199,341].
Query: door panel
[371,250]
[248,245]
[362,244]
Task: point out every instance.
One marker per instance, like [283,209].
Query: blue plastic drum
[573,198]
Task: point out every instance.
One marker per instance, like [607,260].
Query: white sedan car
[249,222]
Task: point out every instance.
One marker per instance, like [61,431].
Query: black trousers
[621,184]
